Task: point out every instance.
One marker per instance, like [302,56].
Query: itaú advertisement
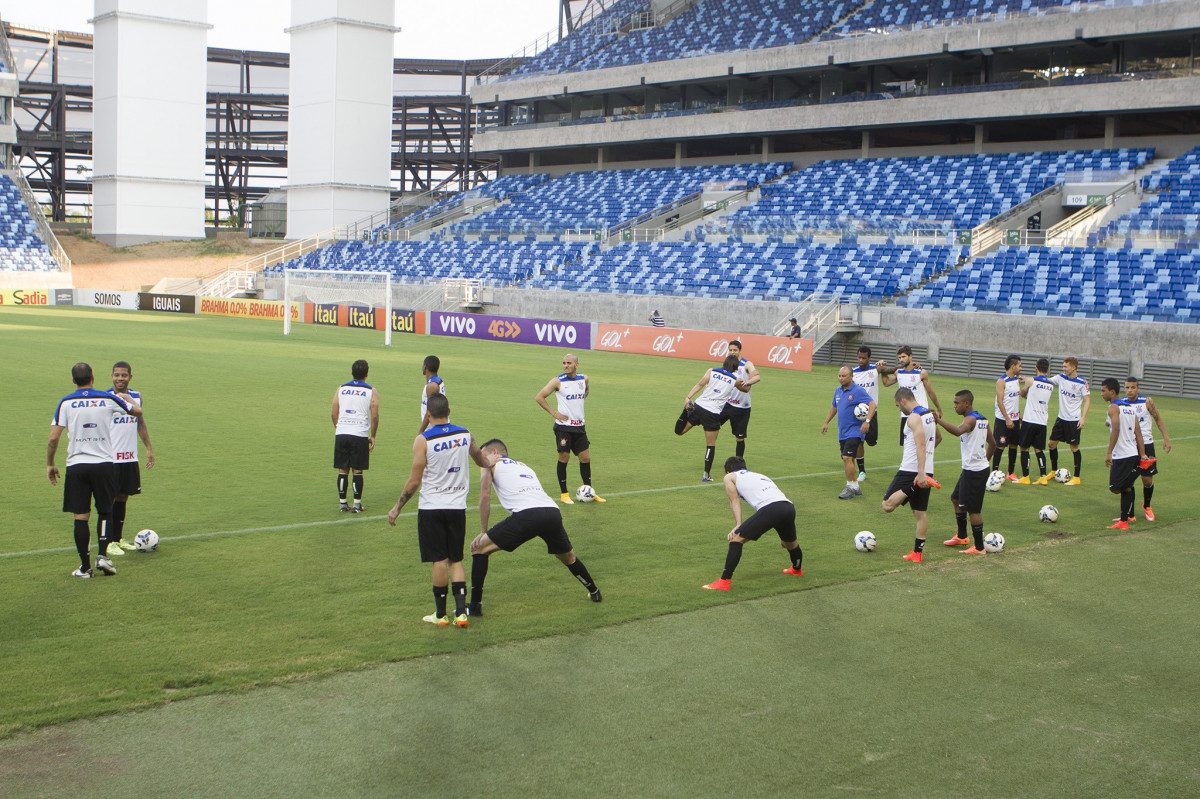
[705,345]
[248,309]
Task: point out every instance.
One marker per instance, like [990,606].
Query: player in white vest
[772,511]
[867,376]
[534,515]
[1007,429]
[1146,411]
[737,409]
[355,415]
[909,374]
[570,390]
[1126,457]
[976,445]
[441,470]
[86,416]
[715,387]
[914,479]
[1074,400]
[1037,393]
[433,385]
[127,429]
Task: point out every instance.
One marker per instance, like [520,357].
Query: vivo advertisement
[577,335]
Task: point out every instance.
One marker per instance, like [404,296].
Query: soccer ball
[1048,513]
[146,541]
[861,411]
[864,541]
[995,480]
[1062,476]
[993,542]
[585,494]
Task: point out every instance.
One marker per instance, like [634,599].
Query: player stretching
[440,469]
[866,375]
[772,510]
[1074,399]
[570,389]
[126,431]
[737,410]
[1126,456]
[1008,415]
[846,397]
[716,387]
[433,385]
[912,482]
[1147,410]
[1037,392]
[355,415]
[534,515]
[977,444]
[909,374]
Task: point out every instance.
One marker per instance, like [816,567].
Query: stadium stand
[922,13]
[21,248]
[499,189]
[1172,209]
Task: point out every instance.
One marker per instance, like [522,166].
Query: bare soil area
[97,265]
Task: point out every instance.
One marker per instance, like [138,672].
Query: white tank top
[87,415]
[741,399]
[354,409]
[517,487]
[1128,428]
[1071,391]
[757,489]
[570,396]
[447,462]
[1143,417]
[911,379]
[1012,399]
[974,444]
[425,397]
[717,392]
[1037,400]
[868,379]
[125,439]
[929,435]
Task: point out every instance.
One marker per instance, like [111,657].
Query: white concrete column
[339,112]
[149,100]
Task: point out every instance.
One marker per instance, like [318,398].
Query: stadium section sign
[247,309]
[512,328]
[167,303]
[705,345]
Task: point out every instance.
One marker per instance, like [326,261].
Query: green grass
[1020,673]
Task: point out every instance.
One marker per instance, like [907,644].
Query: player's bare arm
[887,374]
[735,505]
[828,418]
[933,400]
[374,420]
[144,435]
[866,425]
[698,387]
[335,411]
[752,377]
[485,497]
[1083,412]
[420,459]
[550,388]
[991,444]
[914,430]
[959,430]
[1000,383]
[51,449]
[1114,419]
[1152,409]
[131,406]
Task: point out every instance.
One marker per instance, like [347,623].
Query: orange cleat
[718,585]
[957,542]
[793,571]
[1149,514]
[1120,525]
[914,557]
[972,551]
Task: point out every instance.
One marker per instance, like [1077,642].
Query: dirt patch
[97,265]
[1054,535]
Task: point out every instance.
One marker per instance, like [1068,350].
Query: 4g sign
[705,345]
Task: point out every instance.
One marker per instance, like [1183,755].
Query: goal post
[338,287]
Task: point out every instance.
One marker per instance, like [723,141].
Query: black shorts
[1123,473]
[872,436]
[968,493]
[702,417]
[1004,435]
[351,452]
[571,439]
[129,479]
[1065,431]
[441,534]
[914,496]
[1153,470]
[778,516]
[1033,435]
[526,525]
[739,420]
[849,447]
[84,481]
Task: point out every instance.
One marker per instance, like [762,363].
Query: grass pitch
[1066,654]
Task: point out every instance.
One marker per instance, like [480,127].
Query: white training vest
[717,392]
[974,444]
[868,379]
[354,409]
[425,397]
[1128,428]
[911,379]
[1037,400]
[929,432]
[1012,399]
[741,399]
[757,489]
[124,433]
[1143,417]
[1071,391]
[447,463]
[570,395]
[517,487]
[87,415]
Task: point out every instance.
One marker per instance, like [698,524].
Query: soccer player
[912,376]
[87,416]
[534,515]
[851,430]
[772,511]
[1074,400]
[1147,410]
[1126,456]
[355,415]
[441,471]
[715,387]
[976,444]
[1037,392]
[433,385]
[737,409]
[867,375]
[1007,431]
[912,482]
[127,429]
[570,390]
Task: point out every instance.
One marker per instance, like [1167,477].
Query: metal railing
[1087,212]
[225,279]
[39,220]
[821,316]
[991,234]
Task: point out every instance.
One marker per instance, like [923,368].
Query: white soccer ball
[585,494]
[995,480]
[993,542]
[1048,513]
[146,541]
[1063,476]
[864,541]
[861,411]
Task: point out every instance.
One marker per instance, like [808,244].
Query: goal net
[366,290]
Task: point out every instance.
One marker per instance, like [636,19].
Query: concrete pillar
[149,100]
[866,144]
[1110,131]
[980,136]
[339,113]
